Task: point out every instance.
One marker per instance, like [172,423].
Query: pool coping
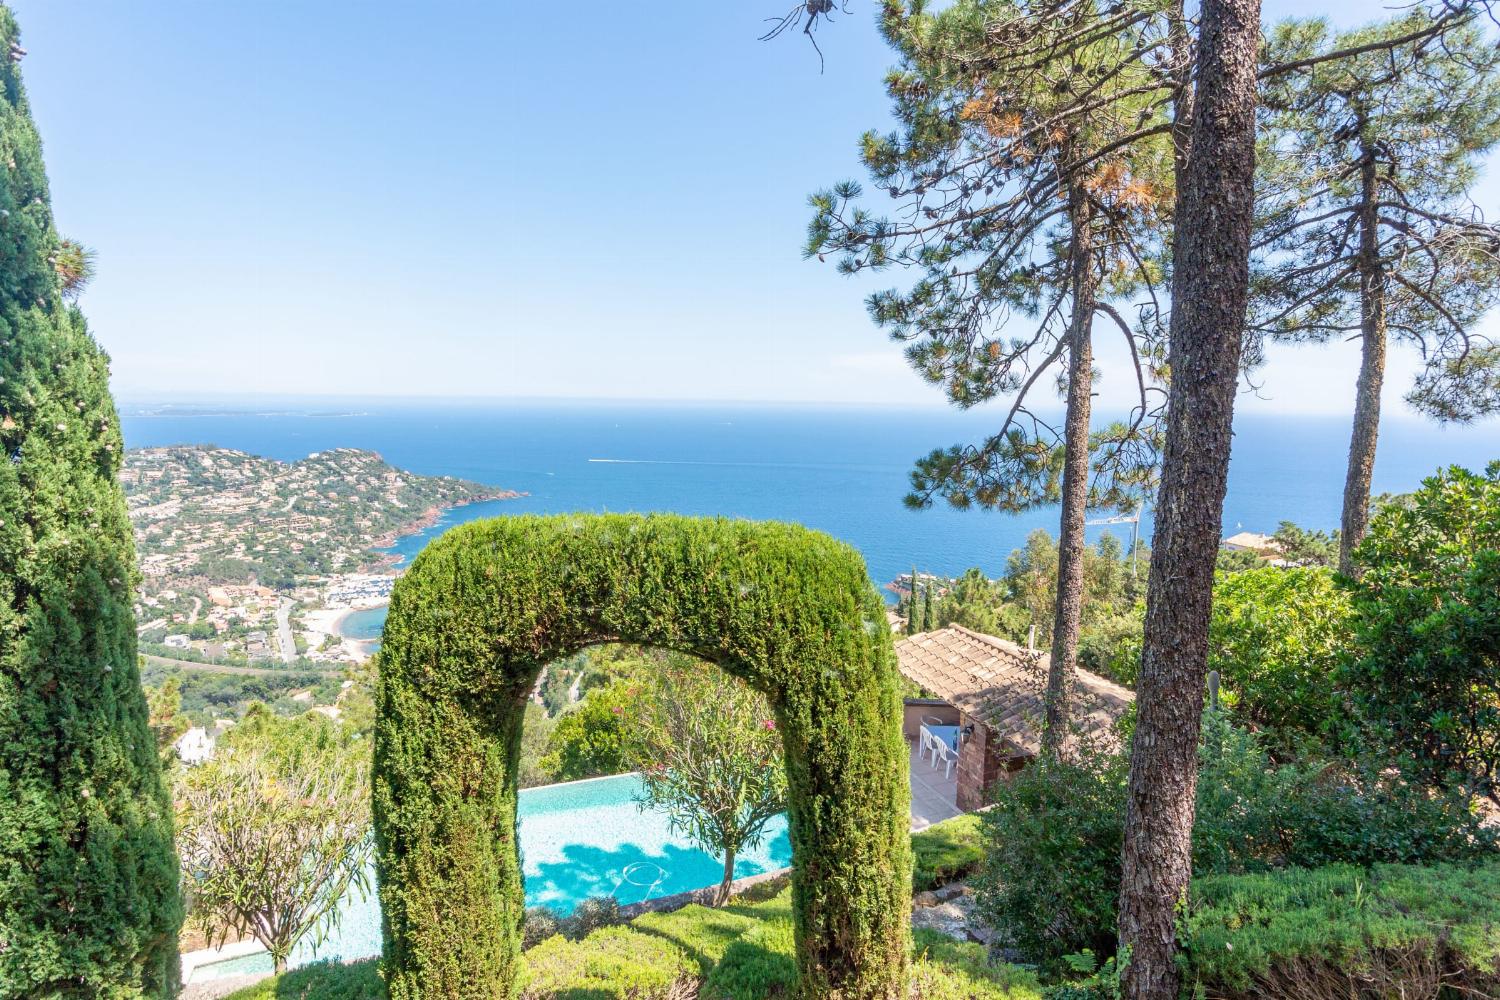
[576,781]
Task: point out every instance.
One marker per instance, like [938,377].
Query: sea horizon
[840,469]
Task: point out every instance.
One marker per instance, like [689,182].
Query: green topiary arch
[484,608]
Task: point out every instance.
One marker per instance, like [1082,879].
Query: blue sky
[476,199]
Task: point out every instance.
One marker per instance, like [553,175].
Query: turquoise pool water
[582,839]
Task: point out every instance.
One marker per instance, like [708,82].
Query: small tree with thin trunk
[275,831]
[709,754]
[1365,227]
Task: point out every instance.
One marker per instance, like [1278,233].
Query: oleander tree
[275,830]
[709,754]
[88,873]
[1367,229]
[1031,172]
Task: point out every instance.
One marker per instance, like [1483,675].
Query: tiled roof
[1001,684]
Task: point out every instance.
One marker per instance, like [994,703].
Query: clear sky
[366,197]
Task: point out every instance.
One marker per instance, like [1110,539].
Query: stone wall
[982,760]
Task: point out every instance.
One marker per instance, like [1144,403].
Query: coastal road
[284,637]
[225,668]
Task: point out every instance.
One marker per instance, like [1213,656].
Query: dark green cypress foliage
[913,608]
[88,875]
[484,608]
[929,620]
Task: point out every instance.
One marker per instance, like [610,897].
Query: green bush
[946,851]
[321,981]
[945,969]
[1275,639]
[589,740]
[613,963]
[1427,621]
[1389,931]
[482,610]
[1051,872]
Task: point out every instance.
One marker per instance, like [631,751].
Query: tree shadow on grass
[331,981]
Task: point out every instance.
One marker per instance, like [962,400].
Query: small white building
[197,745]
[177,641]
[1251,541]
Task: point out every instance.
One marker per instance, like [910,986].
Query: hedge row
[481,611]
[1343,931]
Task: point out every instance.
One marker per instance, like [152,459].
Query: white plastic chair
[949,757]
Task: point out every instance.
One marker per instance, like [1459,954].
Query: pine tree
[1366,229]
[88,875]
[1031,169]
[1210,294]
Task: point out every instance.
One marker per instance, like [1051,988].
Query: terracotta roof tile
[1001,683]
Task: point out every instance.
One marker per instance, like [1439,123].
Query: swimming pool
[580,839]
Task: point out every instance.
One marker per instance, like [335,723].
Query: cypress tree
[88,875]
[929,620]
[913,610]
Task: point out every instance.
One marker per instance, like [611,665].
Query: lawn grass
[743,951]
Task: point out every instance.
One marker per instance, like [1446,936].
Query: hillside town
[249,560]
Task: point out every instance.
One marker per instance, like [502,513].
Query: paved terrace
[932,795]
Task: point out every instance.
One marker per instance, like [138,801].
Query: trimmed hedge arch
[483,608]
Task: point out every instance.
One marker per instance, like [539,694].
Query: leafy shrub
[1427,620]
[946,851]
[590,915]
[613,962]
[1275,638]
[540,923]
[320,981]
[1051,870]
[944,969]
[589,740]
[1051,873]
[1389,931]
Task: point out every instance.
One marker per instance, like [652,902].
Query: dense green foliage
[88,876]
[1052,868]
[1427,620]
[589,740]
[479,613]
[1276,638]
[1113,585]
[1345,931]
[321,981]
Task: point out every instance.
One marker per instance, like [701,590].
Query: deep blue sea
[840,470]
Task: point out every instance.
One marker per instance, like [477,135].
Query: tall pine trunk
[1068,610]
[1362,442]
[1210,289]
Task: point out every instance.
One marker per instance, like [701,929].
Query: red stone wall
[982,761]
